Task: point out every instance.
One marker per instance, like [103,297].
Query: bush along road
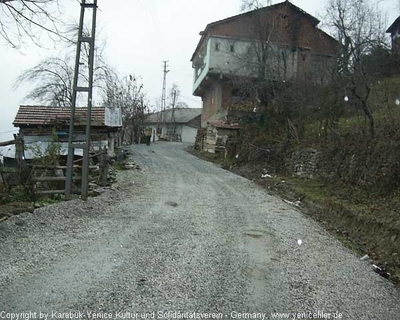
[181,236]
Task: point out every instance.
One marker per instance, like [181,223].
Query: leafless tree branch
[21,19]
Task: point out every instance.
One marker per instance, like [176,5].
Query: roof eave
[393,25]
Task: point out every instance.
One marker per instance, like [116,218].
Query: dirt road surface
[183,235]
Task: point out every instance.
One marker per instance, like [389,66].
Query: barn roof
[45,115]
[183,115]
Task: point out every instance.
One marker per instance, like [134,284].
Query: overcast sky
[139,35]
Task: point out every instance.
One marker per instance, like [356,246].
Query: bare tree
[261,66]
[175,98]
[53,77]
[359,27]
[248,5]
[127,94]
[21,19]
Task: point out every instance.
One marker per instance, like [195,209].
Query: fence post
[19,156]
[103,166]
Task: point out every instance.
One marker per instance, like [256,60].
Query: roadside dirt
[367,225]
[15,208]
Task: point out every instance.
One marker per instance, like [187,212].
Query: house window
[217,45]
[232,48]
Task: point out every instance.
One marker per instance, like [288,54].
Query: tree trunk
[370,119]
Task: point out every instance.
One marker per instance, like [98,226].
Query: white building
[174,124]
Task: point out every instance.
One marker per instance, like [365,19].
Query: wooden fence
[44,178]
[50,179]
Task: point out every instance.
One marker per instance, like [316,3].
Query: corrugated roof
[45,115]
[181,115]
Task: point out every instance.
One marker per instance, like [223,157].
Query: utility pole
[173,116]
[87,88]
[164,89]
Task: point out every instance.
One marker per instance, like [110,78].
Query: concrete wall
[212,102]
[187,133]
[238,57]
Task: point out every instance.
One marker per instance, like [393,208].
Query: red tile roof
[44,115]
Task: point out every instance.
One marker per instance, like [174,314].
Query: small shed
[38,123]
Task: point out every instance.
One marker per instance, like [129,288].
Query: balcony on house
[219,56]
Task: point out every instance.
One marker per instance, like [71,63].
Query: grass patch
[118,166]
[354,246]
[313,189]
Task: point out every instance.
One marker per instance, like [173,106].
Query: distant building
[394,31]
[174,124]
[228,50]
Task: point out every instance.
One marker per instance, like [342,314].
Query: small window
[232,48]
[217,46]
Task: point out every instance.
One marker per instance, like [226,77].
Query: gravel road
[182,235]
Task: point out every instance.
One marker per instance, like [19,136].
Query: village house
[179,124]
[230,49]
[37,124]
